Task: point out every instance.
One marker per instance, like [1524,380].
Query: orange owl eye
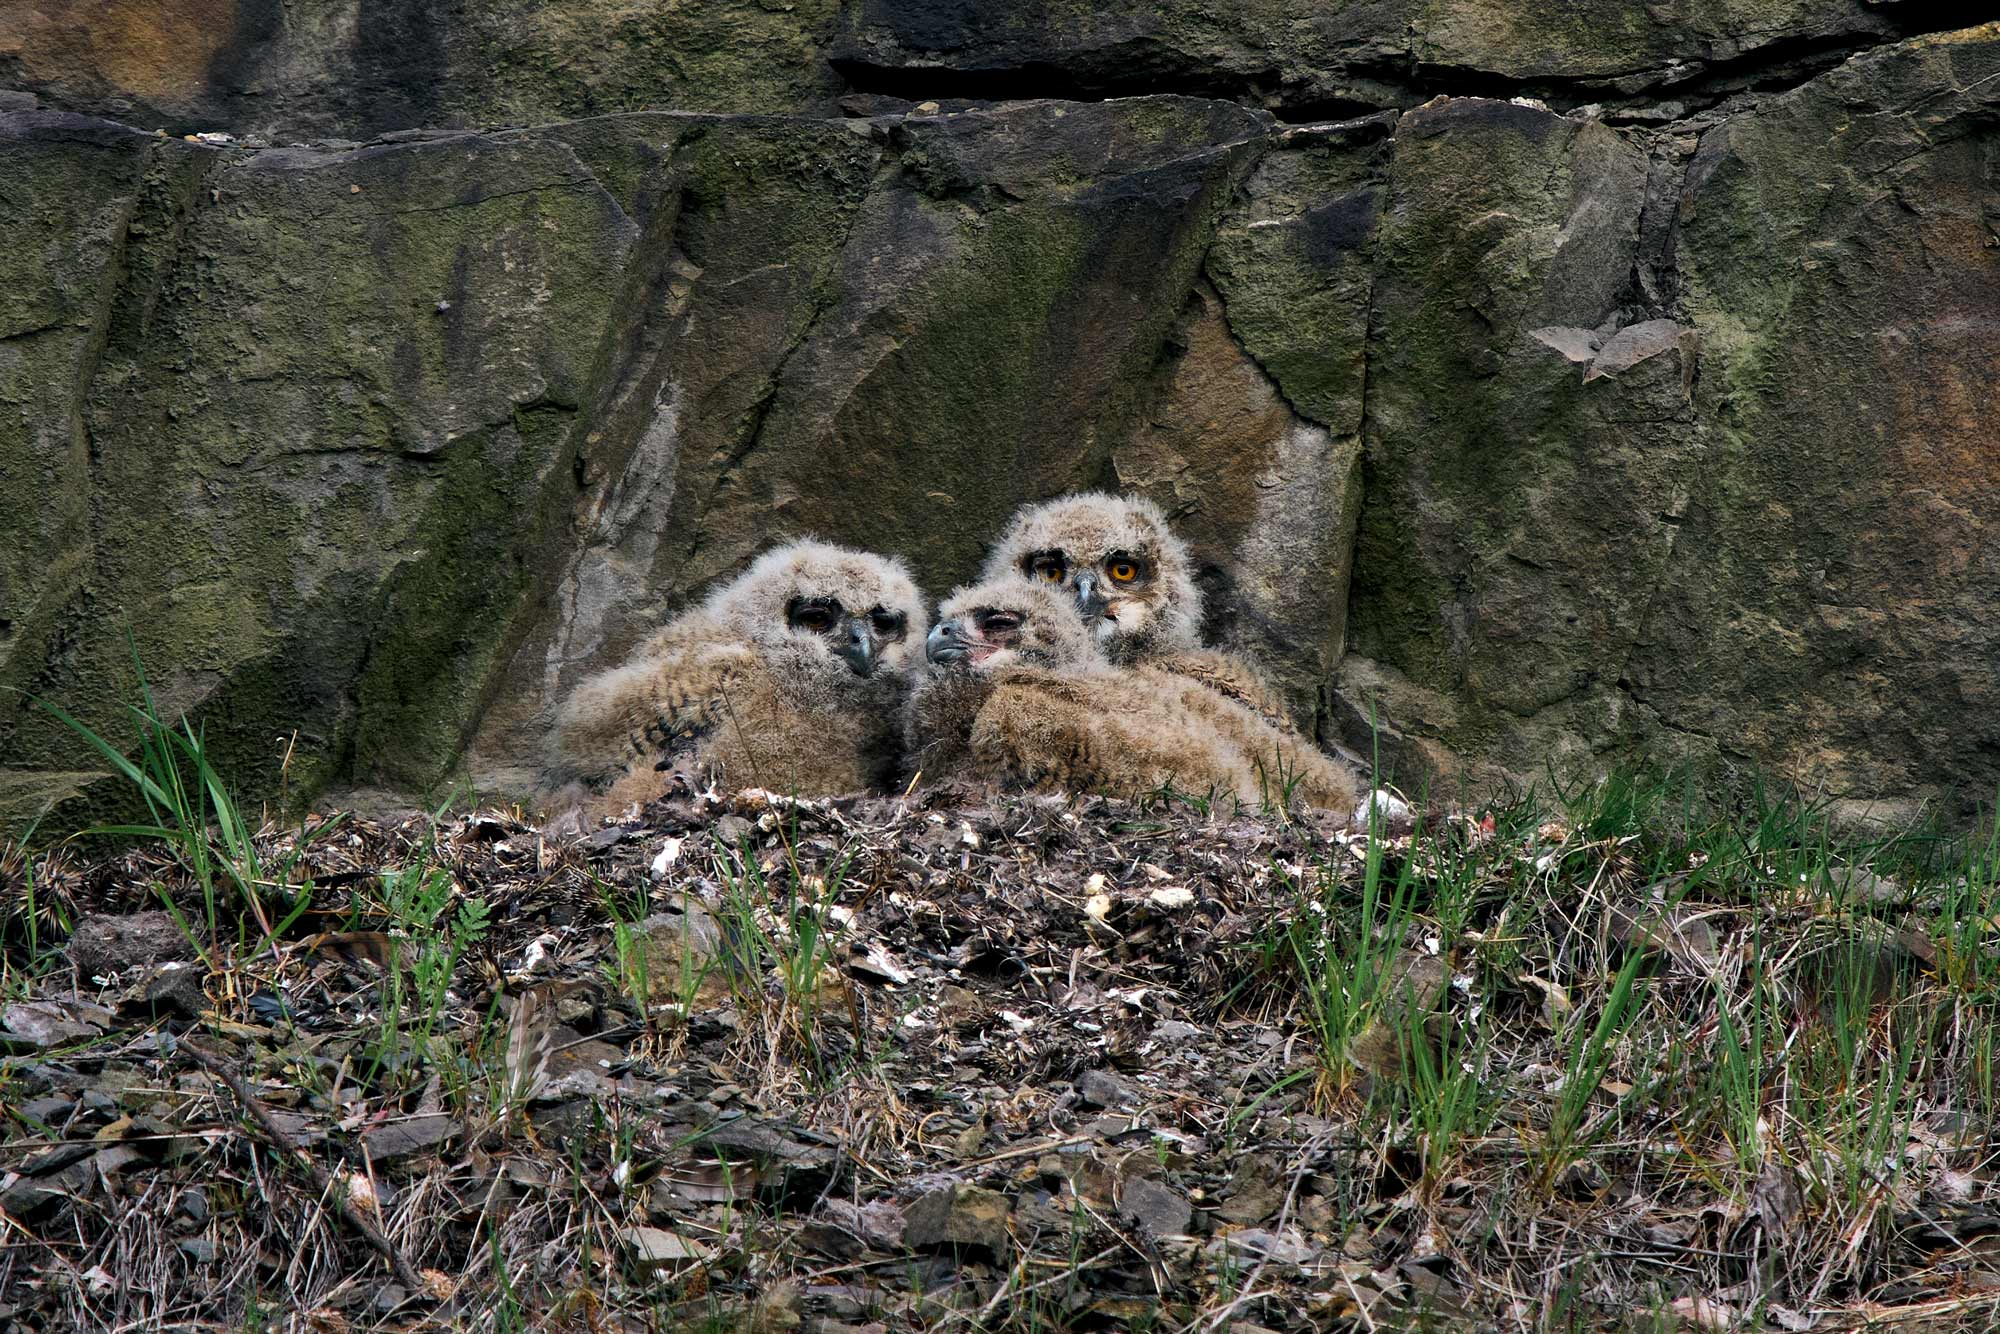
[1049,566]
[1123,571]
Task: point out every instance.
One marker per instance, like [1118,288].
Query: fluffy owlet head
[1129,577]
[827,608]
[1011,621]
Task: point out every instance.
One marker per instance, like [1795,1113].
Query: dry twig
[399,1264]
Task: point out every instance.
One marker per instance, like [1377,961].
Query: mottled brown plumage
[791,678]
[1020,693]
[1133,582]
[1233,678]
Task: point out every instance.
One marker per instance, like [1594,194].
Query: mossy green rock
[996,307]
[326,437]
[1699,474]
[73,185]
[72,191]
[1522,437]
[1829,610]
[887,333]
[1519,497]
[1295,263]
[388,446]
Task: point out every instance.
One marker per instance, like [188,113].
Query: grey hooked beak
[946,644]
[1090,599]
[857,645]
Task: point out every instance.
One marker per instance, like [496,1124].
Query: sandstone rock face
[1521,501]
[1507,436]
[1753,536]
[356,68]
[891,334]
[1841,564]
[74,185]
[290,69]
[309,439]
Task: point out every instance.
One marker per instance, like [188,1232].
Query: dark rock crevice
[1030,81]
[1660,94]
[607,484]
[883,52]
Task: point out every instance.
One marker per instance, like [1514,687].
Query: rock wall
[1657,423]
[279,70]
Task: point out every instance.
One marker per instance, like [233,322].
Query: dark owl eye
[886,622]
[813,615]
[998,622]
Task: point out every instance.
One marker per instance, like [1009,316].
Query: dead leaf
[1776,1197]
[370,947]
[1556,1003]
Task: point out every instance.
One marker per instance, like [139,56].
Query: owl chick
[1020,692]
[791,678]
[1133,581]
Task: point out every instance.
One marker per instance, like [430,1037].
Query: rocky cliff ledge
[1551,383]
